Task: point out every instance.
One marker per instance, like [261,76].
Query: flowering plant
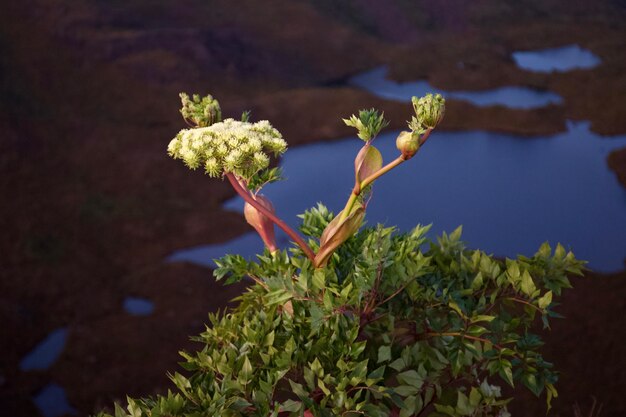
[356,321]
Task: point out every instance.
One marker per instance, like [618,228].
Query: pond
[52,402]
[565,58]
[46,353]
[510,193]
[137,306]
[375,82]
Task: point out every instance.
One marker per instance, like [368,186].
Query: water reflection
[375,82]
[566,58]
[510,193]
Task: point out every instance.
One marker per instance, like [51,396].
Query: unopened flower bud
[408,144]
[201,111]
[429,109]
[261,223]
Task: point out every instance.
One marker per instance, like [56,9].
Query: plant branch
[367,181]
[248,198]
[519,300]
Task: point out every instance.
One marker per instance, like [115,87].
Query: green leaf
[456,234]
[513,272]
[406,390]
[398,364]
[412,378]
[480,318]
[463,406]
[528,286]
[246,370]
[319,279]
[545,301]
[475,397]
[317,317]
[291,406]
[446,409]
[551,393]
[384,354]
[506,372]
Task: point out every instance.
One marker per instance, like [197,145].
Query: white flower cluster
[228,146]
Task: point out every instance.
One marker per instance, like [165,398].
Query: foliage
[368,123]
[387,324]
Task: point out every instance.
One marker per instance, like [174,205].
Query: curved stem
[358,187]
[425,136]
[391,165]
[248,198]
[367,181]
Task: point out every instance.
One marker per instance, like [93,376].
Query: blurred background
[106,242]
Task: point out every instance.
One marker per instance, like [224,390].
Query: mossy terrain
[92,204]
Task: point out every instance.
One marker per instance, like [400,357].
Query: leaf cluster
[394,325]
[368,123]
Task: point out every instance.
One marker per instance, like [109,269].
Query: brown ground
[617,162]
[92,205]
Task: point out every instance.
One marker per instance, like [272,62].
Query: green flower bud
[408,143]
[429,109]
[201,112]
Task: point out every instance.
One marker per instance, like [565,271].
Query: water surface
[375,82]
[510,193]
[52,402]
[137,306]
[561,59]
[46,353]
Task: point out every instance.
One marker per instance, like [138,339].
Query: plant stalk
[292,234]
[367,181]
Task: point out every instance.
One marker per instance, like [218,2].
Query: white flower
[229,146]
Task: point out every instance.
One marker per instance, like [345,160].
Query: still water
[137,306]
[375,82]
[46,353]
[510,193]
[52,402]
[565,58]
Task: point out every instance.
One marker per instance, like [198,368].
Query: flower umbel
[200,111]
[229,146]
[429,111]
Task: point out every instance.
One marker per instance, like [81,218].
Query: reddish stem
[248,198]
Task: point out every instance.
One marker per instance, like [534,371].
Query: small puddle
[375,82]
[510,193]
[137,306]
[45,353]
[566,58]
[52,402]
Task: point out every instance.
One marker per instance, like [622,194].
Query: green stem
[367,181]
[248,198]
